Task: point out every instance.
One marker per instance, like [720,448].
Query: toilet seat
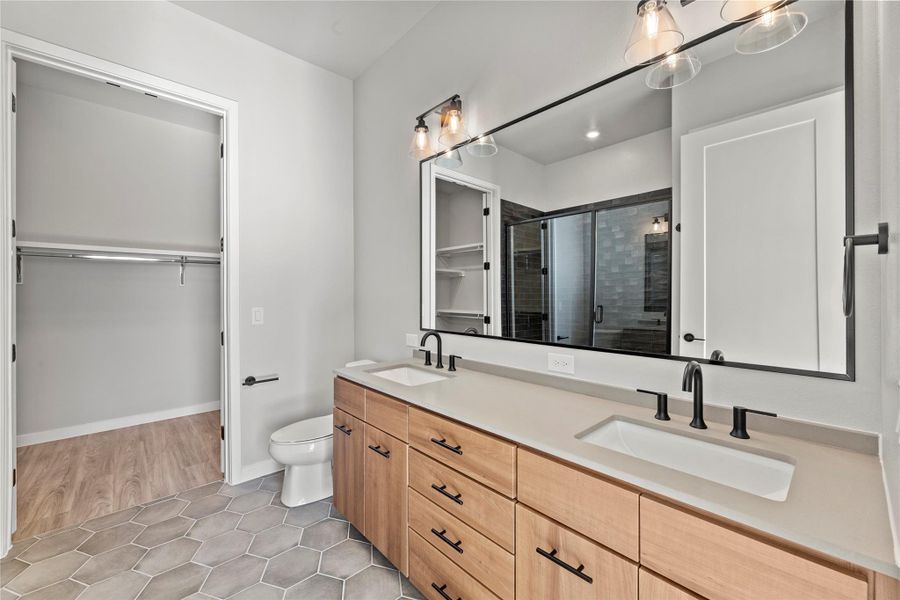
[305,431]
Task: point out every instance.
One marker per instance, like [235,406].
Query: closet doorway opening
[119,280]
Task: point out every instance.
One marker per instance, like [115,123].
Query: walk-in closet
[118,297]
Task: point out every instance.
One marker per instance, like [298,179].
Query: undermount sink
[409,376]
[750,472]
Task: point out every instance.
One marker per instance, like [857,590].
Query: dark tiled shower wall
[528,322]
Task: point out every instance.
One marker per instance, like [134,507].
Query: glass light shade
[673,70]
[483,146]
[770,30]
[453,131]
[735,11]
[450,159]
[420,147]
[654,33]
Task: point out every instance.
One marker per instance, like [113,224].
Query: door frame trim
[18,46]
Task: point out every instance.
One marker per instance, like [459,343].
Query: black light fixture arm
[440,104]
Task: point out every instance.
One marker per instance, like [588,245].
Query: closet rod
[122,258]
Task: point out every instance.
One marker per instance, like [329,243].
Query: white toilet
[305,449]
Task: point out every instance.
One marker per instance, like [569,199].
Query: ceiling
[343,37]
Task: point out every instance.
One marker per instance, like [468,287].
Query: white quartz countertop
[836,505]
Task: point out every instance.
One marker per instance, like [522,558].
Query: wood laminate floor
[65,482]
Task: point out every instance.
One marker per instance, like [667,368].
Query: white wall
[501,77]
[104,341]
[296,208]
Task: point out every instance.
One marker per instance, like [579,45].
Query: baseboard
[259,469]
[51,435]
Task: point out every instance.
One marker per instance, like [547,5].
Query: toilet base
[306,483]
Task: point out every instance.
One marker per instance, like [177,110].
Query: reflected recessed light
[593,134]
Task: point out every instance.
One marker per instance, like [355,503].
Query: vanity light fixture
[420,148]
[654,34]
[453,131]
[483,146]
[769,24]
[675,69]
[451,159]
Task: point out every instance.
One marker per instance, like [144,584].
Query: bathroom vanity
[481,485]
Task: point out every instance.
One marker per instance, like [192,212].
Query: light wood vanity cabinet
[470,516]
[348,465]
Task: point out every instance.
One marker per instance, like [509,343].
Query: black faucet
[692,380]
[437,336]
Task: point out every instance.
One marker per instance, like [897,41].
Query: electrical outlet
[412,340]
[561,363]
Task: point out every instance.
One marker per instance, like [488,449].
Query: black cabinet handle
[443,490]
[443,444]
[551,556]
[690,337]
[446,540]
[377,449]
[440,590]
[250,380]
[343,429]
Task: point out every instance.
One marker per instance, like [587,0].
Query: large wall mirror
[703,221]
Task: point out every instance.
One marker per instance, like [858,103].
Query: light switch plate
[561,363]
[257,316]
[412,340]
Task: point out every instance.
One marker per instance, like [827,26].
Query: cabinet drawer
[592,506]
[482,457]
[430,571]
[482,508]
[720,563]
[350,398]
[387,414]
[553,562]
[653,587]
[487,562]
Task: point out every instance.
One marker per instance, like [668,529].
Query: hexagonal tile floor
[214,541]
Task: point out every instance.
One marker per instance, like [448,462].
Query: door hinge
[487,320]
[222,338]
[487,211]
[543,225]
[14,228]
[222,150]
[14,478]
[543,270]
[222,244]
[14,103]
[223,432]
[14,353]
[487,266]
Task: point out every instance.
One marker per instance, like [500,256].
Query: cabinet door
[385,506]
[349,445]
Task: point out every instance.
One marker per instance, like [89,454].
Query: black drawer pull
[442,489]
[384,453]
[343,429]
[551,556]
[443,444]
[440,590]
[446,540]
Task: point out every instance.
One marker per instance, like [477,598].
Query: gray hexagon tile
[324,534]
[113,537]
[122,586]
[250,502]
[261,519]
[64,590]
[111,520]
[223,548]
[301,516]
[200,492]
[374,583]
[55,545]
[347,558]
[272,483]
[103,566]
[320,587]
[213,525]
[163,532]
[291,567]
[160,512]
[206,506]
[234,576]
[262,591]
[274,541]
[177,583]
[169,555]
[240,489]
[47,572]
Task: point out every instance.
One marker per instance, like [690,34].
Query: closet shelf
[459,313]
[112,251]
[450,273]
[461,249]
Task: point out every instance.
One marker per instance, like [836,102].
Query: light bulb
[420,148]
[767,19]
[656,224]
[453,131]
[654,34]
[651,24]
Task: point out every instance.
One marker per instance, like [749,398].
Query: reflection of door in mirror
[762,201]
[524,282]
[459,273]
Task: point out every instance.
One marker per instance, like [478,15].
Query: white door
[762,222]
[15,275]
[223,383]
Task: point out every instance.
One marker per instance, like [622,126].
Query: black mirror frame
[849,140]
